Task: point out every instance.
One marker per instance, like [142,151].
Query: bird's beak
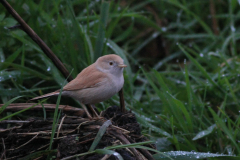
[122,65]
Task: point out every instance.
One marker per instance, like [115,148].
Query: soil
[76,136]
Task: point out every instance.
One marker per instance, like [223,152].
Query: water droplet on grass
[233,29]
[164,29]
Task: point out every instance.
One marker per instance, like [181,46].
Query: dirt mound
[30,138]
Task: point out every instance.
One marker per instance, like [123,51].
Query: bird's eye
[110,63]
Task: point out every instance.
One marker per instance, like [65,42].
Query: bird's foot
[86,111]
[93,113]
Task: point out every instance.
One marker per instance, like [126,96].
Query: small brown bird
[96,83]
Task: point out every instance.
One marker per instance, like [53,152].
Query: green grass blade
[78,155]
[55,119]
[204,132]
[114,23]
[39,154]
[232,92]
[146,124]
[144,43]
[129,145]
[175,105]
[101,29]
[27,70]
[186,114]
[204,72]
[11,58]
[125,34]
[100,133]
[106,151]
[184,155]
[16,113]
[8,103]
[202,23]
[44,112]
[25,41]
[224,128]
[56,115]
[189,90]
[137,145]
[156,151]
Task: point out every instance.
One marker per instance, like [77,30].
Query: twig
[143,151]
[92,127]
[38,158]
[15,157]
[49,107]
[83,142]
[38,40]
[48,132]
[106,157]
[4,150]
[124,130]
[124,140]
[24,143]
[57,138]
[127,149]
[80,125]
[9,129]
[13,121]
[77,121]
[41,147]
[61,125]
[90,134]
[36,133]
[74,117]
[15,27]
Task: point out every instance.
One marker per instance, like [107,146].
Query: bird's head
[111,63]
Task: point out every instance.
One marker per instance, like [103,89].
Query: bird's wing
[88,78]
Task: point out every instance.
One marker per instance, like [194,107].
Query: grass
[182,79]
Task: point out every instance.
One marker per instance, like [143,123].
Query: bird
[96,83]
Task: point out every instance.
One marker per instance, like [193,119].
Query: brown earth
[30,138]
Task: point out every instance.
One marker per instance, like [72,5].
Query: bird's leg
[93,110]
[85,109]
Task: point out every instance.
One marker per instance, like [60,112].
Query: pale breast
[118,83]
[97,94]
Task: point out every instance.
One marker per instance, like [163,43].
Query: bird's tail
[45,95]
